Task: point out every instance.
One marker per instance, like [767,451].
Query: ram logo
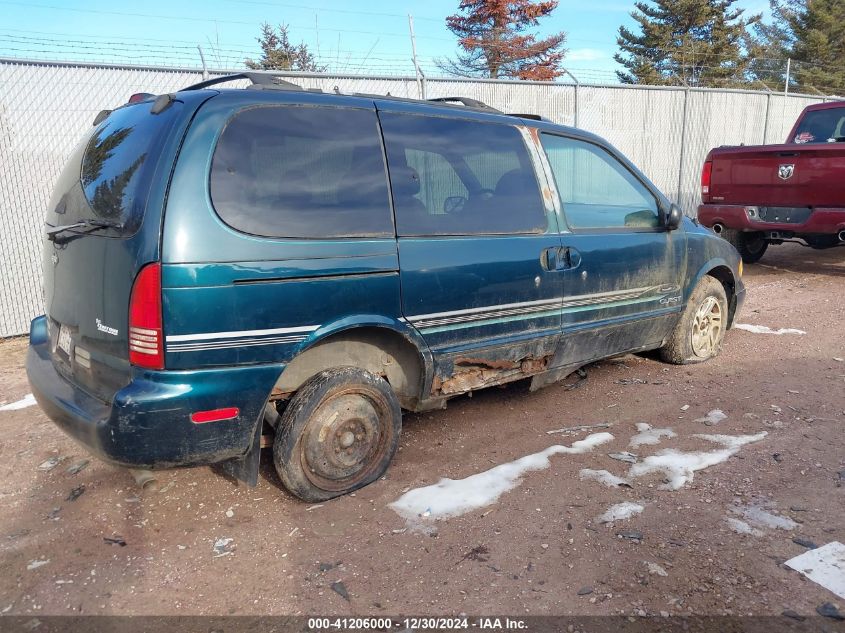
[785,171]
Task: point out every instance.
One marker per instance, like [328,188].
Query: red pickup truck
[754,196]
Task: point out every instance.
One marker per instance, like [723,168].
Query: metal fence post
[766,122]
[204,67]
[683,147]
[575,122]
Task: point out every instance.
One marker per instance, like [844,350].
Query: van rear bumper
[148,423]
[826,221]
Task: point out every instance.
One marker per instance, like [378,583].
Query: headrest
[512,183]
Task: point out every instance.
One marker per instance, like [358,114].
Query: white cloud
[585,55]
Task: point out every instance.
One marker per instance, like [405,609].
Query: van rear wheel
[337,434]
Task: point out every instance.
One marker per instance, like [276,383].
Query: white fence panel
[46,107]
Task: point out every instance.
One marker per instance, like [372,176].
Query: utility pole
[788,69]
[317,31]
[204,67]
[414,53]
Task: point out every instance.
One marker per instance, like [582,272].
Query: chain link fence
[45,108]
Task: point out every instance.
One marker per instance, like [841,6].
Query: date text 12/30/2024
[414,624]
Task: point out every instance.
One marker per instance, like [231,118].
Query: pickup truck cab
[768,194]
[226,269]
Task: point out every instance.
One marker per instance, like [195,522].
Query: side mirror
[674,217]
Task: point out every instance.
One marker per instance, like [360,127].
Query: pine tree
[494,42]
[768,48]
[816,31]
[685,42]
[277,52]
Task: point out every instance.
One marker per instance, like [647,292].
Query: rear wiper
[88,226]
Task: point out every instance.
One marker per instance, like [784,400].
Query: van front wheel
[337,434]
[699,332]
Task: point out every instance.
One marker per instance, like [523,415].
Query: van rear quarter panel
[232,298]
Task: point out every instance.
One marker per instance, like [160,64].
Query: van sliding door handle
[560,258]
[571,257]
[549,258]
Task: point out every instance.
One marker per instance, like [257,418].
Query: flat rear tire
[337,434]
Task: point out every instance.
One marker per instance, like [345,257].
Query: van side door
[622,290]
[278,229]
[478,245]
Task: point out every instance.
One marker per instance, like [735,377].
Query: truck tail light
[146,338]
[706,174]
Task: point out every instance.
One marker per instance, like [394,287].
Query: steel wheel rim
[345,439]
[707,328]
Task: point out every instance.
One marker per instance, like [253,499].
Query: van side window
[596,190]
[302,172]
[460,177]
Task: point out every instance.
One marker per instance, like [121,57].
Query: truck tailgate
[779,175]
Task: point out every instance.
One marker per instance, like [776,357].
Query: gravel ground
[715,546]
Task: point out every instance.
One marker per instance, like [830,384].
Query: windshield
[821,126]
[110,178]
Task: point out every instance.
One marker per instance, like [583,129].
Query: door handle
[571,257]
[560,258]
[549,258]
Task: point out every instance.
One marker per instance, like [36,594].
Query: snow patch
[824,565]
[454,497]
[713,417]
[741,527]
[762,518]
[27,401]
[603,476]
[680,467]
[620,511]
[35,564]
[732,441]
[762,329]
[649,435]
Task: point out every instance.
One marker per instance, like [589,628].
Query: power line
[333,10]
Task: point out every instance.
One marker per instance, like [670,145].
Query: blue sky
[349,36]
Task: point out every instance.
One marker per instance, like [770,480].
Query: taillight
[138,97]
[706,174]
[146,339]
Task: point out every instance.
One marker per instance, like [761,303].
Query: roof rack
[260,79]
[269,80]
[533,117]
[470,103]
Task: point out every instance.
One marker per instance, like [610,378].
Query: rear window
[821,126]
[118,165]
[302,172]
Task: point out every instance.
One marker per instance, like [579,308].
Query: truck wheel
[337,434]
[750,244]
[699,332]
